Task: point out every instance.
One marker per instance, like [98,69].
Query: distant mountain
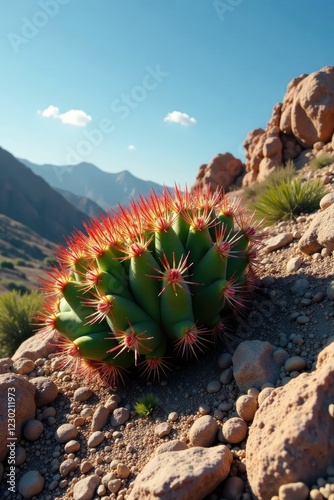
[27,198]
[85,179]
[86,205]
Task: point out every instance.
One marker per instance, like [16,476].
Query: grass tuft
[146,404]
[321,161]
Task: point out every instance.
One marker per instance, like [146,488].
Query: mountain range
[106,189]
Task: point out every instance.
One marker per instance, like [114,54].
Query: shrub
[7,264]
[287,199]
[18,286]
[20,262]
[16,313]
[321,161]
[49,261]
[146,404]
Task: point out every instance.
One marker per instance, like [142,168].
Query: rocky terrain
[253,418]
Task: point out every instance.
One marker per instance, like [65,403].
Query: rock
[320,233]
[246,406]
[203,432]
[174,445]
[33,429]
[66,432]
[46,390]
[232,488]
[225,360]
[85,488]
[181,475]
[18,396]
[295,363]
[31,484]
[5,365]
[234,430]
[293,491]
[221,171]
[330,290]
[100,418]
[300,286]
[120,416]
[36,346]
[213,386]
[327,200]
[95,439]
[123,471]
[163,429]
[72,446]
[279,241]
[296,445]
[82,394]
[67,466]
[20,455]
[226,376]
[253,364]
[23,366]
[294,264]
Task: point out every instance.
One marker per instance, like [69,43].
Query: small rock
[294,264]
[67,466]
[85,488]
[33,430]
[120,416]
[82,394]
[20,456]
[100,418]
[280,356]
[264,394]
[234,430]
[225,360]
[213,386]
[123,471]
[330,290]
[95,439]
[23,366]
[293,491]
[174,445]
[163,429]
[327,200]
[173,416]
[31,484]
[279,241]
[226,376]
[232,488]
[111,404]
[46,390]
[66,432]
[302,320]
[114,485]
[246,407]
[203,432]
[86,466]
[72,446]
[295,363]
[300,286]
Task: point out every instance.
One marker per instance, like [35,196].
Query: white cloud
[181,118]
[131,147]
[76,117]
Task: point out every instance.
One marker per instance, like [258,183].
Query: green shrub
[18,286]
[146,404]
[321,161]
[16,316]
[49,261]
[20,262]
[6,264]
[287,199]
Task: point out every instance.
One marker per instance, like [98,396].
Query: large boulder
[222,171]
[36,346]
[292,435]
[320,233]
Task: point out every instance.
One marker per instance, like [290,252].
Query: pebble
[23,366]
[163,429]
[86,466]
[85,488]
[279,241]
[234,430]
[67,466]
[326,201]
[267,281]
[95,439]
[111,404]
[226,376]
[295,363]
[66,432]
[330,290]
[114,485]
[174,445]
[204,409]
[280,356]
[203,432]
[246,407]
[46,390]
[31,484]
[293,491]
[302,320]
[20,456]
[33,430]
[264,394]
[300,286]
[225,406]
[72,446]
[123,471]
[225,360]
[120,416]
[232,488]
[100,418]
[82,394]
[173,416]
[213,386]
[294,264]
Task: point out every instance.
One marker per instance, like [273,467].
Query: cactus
[148,281]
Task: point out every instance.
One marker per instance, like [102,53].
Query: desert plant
[20,262]
[158,277]
[7,264]
[321,161]
[18,286]
[287,199]
[146,404]
[16,319]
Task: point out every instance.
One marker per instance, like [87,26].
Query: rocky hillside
[301,127]
[27,198]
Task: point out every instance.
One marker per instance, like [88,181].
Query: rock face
[181,475]
[320,233]
[16,412]
[304,120]
[222,171]
[292,435]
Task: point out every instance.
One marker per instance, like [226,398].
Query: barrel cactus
[149,281]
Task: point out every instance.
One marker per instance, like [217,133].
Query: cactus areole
[158,278]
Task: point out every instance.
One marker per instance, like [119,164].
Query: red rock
[222,171]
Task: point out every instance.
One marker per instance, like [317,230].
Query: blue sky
[157,87]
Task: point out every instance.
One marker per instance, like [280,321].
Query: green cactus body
[159,279]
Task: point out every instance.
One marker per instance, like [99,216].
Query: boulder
[320,233]
[37,346]
[292,435]
[181,475]
[222,171]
